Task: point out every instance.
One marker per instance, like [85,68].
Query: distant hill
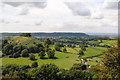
[48,34]
[25,41]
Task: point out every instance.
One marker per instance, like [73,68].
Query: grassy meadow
[63,59]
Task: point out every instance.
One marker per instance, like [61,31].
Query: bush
[33,49]
[24,53]
[47,72]
[76,66]
[42,54]
[34,64]
[81,52]
[32,57]
[7,49]
[64,50]
[51,54]
[25,34]
[16,55]
[57,48]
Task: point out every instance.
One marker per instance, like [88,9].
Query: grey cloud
[42,4]
[25,6]
[78,8]
[37,23]
[111,5]
[24,11]
[14,4]
[4,21]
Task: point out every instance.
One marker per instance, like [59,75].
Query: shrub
[34,64]
[47,72]
[32,57]
[51,54]
[64,50]
[42,54]
[24,53]
[81,52]
[16,55]
[57,48]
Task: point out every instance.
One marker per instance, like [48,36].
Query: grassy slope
[62,61]
[108,42]
[26,41]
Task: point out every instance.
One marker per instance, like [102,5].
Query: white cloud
[58,16]
[78,8]
[110,4]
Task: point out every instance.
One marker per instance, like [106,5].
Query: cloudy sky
[89,16]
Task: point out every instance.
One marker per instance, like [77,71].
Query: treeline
[14,50]
[45,72]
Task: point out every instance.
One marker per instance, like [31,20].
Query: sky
[88,16]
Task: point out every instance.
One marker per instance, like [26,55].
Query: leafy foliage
[24,53]
[34,64]
[25,34]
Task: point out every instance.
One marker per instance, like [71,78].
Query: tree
[47,41]
[7,49]
[51,54]
[57,48]
[16,55]
[34,64]
[32,57]
[76,66]
[64,50]
[4,42]
[33,49]
[81,52]
[47,72]
[24,53]
[25,34]
[83,48]
[110,68]
[42,54]
[39,45]
[18,48]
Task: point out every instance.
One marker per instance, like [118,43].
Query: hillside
[25,41]
[47,34]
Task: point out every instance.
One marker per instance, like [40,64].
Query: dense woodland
[25,46]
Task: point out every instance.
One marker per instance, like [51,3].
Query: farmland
[67,53]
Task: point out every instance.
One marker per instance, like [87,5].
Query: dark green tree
[81,52]
[47,72]
[57,48]
[64,50]
[42,54]
[32,57]
[24,53]
[34,64]
[51,54]
[16,55]
[47,41]
[7,49]
[25,34]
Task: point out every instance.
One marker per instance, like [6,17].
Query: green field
[63,60]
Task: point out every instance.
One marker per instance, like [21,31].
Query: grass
[94,51]
[25,41]
[65,60]
[109,42]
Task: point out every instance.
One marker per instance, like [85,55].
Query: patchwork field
[63,60]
